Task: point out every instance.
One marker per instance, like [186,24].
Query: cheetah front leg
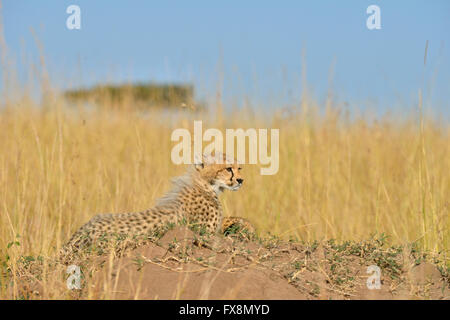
[237,225]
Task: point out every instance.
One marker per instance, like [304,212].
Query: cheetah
[194,198]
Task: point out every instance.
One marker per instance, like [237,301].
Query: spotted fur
[193,199]
[241,224]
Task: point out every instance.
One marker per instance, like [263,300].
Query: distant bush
[142,95]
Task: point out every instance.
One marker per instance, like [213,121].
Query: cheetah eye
[239,169]
[229,169]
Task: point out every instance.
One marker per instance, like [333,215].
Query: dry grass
[338,178]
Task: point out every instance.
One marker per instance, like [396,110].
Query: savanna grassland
[343,181]
[339,177]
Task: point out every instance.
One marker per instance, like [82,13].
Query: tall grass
[338,178]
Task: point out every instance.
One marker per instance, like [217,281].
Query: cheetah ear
[198,162]
[199,166]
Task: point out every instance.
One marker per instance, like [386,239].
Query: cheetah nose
[240,181]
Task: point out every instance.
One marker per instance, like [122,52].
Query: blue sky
[255,47]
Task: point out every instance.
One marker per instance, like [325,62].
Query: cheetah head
[220,171]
